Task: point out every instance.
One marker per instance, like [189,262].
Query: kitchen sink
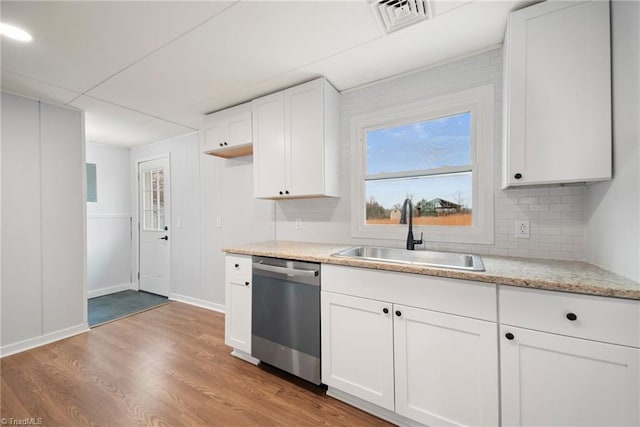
[425,258]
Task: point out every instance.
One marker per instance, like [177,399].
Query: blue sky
[389,192]
[417,146]
[423,145]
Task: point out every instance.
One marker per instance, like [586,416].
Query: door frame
[136,202]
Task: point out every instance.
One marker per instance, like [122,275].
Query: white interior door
[154,216]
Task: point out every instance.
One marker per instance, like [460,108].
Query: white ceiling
[146,71]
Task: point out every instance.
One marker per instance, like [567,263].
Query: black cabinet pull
[517,176]
[571,316]
[286,192]
[398,313]
[225,143]
[509,336]
[385,310]
[281,193]
[236,265]
[221,144]
[246,283]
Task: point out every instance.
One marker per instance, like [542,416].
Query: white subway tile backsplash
[556,213]
[561,191]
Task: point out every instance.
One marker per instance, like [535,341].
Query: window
[438,154]
[153,200]
[92,185]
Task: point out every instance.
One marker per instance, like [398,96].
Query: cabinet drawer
[454,296]
[611,320]
[238,267]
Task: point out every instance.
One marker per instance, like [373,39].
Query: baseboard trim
[220,308]
[111,290]
[379,412]
[245,356]
[30,343]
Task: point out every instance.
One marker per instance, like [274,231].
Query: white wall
[205,188]
[556,214]
[613,208]
[109,242]
[43,222]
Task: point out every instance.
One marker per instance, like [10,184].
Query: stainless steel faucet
[411,244]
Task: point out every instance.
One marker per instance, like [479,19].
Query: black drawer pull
[398,313]
[517,176]
[385,310]
[246,283]
[572,316]
[236,265]
[509,336]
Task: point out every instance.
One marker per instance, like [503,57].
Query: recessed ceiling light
[14,32]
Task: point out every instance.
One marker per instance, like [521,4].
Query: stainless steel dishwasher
[285,316]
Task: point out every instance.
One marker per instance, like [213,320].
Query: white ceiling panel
[78,44]
[193,114]
[27,86]
[248,43]
[150,70]
[111,124]
[459,32]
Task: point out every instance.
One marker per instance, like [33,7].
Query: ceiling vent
[393,15]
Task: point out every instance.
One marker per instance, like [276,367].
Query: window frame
[480,102]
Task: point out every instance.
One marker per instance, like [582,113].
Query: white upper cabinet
[295,134]
[228,133]
[557,94]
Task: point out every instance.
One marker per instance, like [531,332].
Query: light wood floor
[164,367]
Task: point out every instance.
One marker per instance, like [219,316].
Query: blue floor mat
[113,306]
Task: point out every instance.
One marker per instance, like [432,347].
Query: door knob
[164,238]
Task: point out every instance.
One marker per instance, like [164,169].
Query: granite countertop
[567,276]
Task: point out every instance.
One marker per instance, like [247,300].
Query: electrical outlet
[219,222]
[298,223]
[522,229]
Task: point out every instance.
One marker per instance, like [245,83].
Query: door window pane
[153,200]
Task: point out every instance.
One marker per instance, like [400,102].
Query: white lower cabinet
[554,380]
[357,347]
[238,303]
[430,367]
[446,368]
[568,360]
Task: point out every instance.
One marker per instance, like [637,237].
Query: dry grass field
[460,219]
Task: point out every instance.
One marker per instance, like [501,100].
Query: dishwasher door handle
[285,270]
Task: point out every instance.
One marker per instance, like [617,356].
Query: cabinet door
[305,139]
[357,347]
[446,368]
[239,129]
[559,94]
[268,146]
[214,135]
[238,316]
[553,380]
